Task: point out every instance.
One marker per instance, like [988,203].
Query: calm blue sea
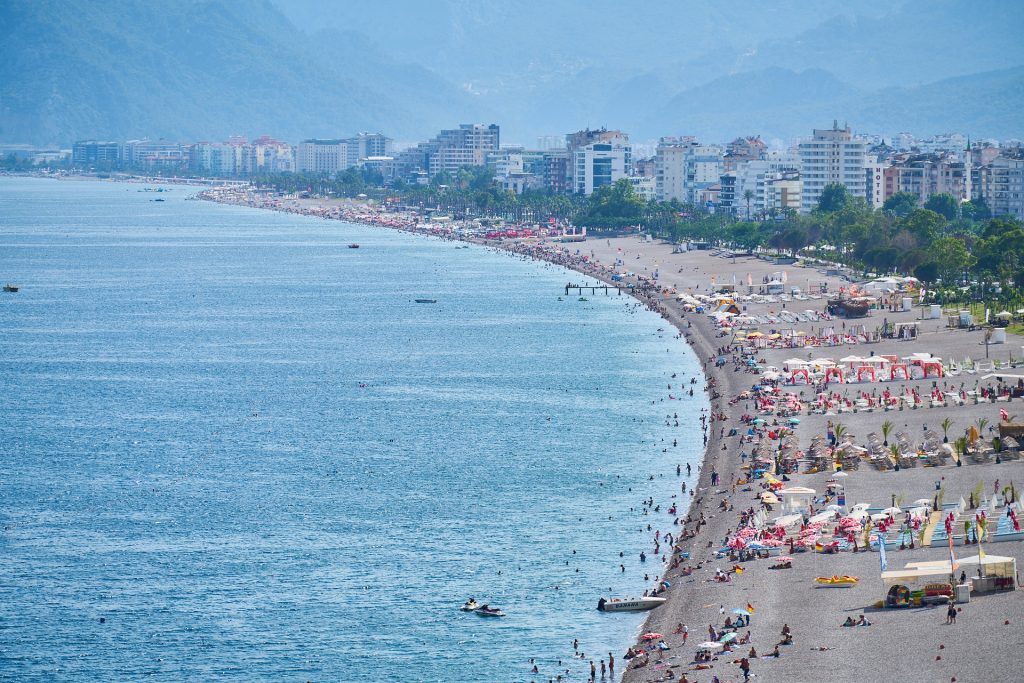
[231,448]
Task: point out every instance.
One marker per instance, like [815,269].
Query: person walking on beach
[611,665]
[745,668]
[951,614]
[593,671]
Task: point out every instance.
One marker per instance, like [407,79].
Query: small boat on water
[353,246]
[488,611]
[426,301]
[629,604]
[470,606]
[10,288]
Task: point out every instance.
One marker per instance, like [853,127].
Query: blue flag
[883,563]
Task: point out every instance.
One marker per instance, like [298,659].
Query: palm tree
[961,448]
[895,450]
[839,431]
[748,195]
[886,430]
[946,424]
[981,423]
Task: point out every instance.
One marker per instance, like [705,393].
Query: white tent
[796,498]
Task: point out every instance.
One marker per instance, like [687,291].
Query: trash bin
[963,593]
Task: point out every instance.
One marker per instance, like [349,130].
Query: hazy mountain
[921,41]
[784,102]
[991,102]
[193,69]
[196,69]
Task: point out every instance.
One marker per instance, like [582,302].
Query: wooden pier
[594,289]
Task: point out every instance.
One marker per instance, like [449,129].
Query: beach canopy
[727,637]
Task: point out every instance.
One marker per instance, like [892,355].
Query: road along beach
[786,410]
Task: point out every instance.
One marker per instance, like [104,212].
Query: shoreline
[786,599]
[699,337]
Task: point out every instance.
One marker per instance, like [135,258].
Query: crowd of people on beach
[761,415]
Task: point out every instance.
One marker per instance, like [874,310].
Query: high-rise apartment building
[832,156]
[1001,184]
[597,158]
[321,156]
[467,145]
[686,168]
[923,175]
[87,152]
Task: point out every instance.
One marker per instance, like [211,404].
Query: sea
[234,448]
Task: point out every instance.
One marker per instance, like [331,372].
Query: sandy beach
[915,643]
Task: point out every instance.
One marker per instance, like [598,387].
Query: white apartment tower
[321,156]
[684,168]
[597,158]
[832,156]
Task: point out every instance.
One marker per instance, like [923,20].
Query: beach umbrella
[743,612]
[784,558]
[1005,315]
[769,497]
[727,637]
[794,421]
[651,636]
[840,474]
[759,421]
[710,645]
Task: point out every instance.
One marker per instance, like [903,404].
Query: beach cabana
[796,499]
[866,370]
[899,368]
[800,372]
[834,372]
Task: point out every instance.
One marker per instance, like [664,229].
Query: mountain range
[207,69]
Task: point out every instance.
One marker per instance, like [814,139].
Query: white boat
[470,606]
[629,604]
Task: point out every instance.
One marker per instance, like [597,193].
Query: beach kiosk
[990,573]
[923,582]
[796,499]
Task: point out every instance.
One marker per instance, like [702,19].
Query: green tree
[952,258]
[613,206]
[923,224]
[748,195]
[834,197]
[943,204]
[975,210]
[927,272]
[900,204]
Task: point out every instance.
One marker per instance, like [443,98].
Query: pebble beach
[915,643]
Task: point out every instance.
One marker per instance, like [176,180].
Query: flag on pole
[882,561]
